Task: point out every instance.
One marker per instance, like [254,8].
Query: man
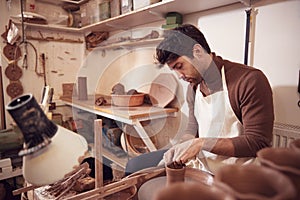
[230,104]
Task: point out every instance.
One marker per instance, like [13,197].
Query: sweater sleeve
[254,97]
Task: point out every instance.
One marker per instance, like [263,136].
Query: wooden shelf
[127,115]
[149,14]
[75,2]
[59,2]
[128,44]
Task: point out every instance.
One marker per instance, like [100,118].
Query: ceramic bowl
[127,100]
[254,182]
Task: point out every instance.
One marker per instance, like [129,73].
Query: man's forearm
[220,146]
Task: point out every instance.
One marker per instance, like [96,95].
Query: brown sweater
[251,99]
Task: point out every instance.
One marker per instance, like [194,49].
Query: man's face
[185,69]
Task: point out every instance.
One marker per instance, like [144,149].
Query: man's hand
[192,151]
[183,152]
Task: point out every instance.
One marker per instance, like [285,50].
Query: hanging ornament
[14,89]
[11,52]
[13,72]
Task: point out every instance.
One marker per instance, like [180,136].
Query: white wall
[277,52]
[275,42]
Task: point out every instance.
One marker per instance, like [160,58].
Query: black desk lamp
[50,151]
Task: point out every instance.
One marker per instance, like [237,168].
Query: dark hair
[180,41]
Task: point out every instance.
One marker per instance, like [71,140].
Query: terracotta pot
[175,173]
[254,182]
[192,191]
[128,100]
[283,160]
[295,145]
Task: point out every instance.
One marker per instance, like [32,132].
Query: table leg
[144,136]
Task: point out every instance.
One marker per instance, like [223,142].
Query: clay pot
[295,145]
[254,182]
[175,173]
[284,160]
[192,191]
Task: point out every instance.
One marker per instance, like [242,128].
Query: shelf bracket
[117,26]
[246,2]
[144,136]
[160,15]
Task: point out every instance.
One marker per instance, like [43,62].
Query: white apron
[216,119]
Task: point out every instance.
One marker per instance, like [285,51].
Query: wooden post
[98,153]
[2,109]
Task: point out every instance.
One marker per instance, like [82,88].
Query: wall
[281,22]
[62,59]
[275,46]
[275,50]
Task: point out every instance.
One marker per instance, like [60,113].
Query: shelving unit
[149,14]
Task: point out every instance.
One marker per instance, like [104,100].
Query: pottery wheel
[13,72]
[12,52]
[152,186]
[14,89]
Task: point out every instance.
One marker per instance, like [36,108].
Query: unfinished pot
[175,173]
[283,160]
[254,182]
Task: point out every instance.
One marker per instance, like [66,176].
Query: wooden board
[130,113]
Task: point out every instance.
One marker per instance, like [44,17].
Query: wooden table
[129,115]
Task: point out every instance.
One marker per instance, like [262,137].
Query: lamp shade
[50,151]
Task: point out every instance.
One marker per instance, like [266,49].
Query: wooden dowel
[98,153]
[2,107]
[52,39]
[24,189]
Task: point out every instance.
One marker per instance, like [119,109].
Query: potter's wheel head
[155,185]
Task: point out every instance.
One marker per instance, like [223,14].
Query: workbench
[129,115]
